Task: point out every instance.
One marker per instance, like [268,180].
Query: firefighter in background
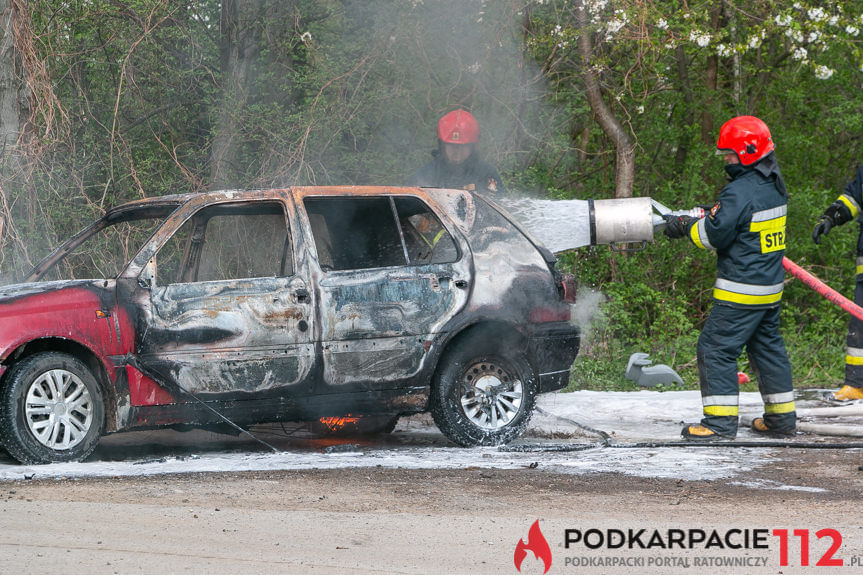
[456,162]
[746,227]
[844,209]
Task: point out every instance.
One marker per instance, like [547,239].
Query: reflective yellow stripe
[695,237]
[698,235]
[438,237]
[774,408]
[720,410]
[852,205]
[859,270]
[774,224]
[723,295]
[852,360]
[772,234]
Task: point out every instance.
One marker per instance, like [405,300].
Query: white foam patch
[626,416]
[693,464]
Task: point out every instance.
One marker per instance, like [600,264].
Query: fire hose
[822,288]
[605,442]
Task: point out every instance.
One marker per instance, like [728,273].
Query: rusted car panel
[215,337]
[270,305]
[377,323]
[223,335]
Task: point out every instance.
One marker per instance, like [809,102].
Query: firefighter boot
[760,426]
[697,432]
[848,393]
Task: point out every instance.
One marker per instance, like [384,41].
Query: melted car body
[285,304]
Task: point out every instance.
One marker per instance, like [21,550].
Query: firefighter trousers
[727,331]
[854,339]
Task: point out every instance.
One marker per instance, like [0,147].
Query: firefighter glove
[677,226]
[836,214]
[822,228]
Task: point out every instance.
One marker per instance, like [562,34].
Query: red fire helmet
[458,127]
[748,137]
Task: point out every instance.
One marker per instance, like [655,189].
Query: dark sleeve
[852,197]
[718,229]
[425,176]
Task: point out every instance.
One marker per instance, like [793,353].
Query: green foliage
[152,97]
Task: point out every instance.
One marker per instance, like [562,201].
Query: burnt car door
[392,275]
[224,308]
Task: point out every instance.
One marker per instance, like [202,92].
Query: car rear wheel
[51,410]
[483,393]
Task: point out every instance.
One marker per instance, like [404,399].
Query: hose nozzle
[662,212]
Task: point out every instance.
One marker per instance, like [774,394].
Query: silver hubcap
[491,396]
[59,409]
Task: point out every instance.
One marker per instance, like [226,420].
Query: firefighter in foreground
[456,162]
[844,209]
[746,227]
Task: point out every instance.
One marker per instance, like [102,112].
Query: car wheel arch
[79,351]
[499,330]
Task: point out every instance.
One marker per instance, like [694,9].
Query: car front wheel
[483,394]
[51,409]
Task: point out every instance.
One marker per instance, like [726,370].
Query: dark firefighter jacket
[474,174]
[852,197]
[746,227]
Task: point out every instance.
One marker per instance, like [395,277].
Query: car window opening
[364,233]
[228,242]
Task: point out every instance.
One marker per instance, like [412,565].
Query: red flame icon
[535,542]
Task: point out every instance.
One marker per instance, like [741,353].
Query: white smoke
[587,310]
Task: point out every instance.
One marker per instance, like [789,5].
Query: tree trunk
[252,32]
[624,169]
[239,47]
[14,114]
[688,102]
[710,82]
[14,97]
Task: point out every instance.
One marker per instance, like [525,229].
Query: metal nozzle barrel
[622,220]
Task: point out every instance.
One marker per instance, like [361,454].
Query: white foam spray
[559,224]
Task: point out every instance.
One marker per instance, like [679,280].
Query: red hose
[823,289]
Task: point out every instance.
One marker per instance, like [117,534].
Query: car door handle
[444,281]
[302,295]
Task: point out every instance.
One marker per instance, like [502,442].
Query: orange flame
[336,423]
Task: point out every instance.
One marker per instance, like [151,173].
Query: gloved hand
[836,214]
[822,228]
[677,226]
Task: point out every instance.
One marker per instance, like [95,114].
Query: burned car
[283,305]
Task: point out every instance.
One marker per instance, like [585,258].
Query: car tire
[483,393]
[51,410]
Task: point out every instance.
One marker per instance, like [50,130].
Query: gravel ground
[382,520]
